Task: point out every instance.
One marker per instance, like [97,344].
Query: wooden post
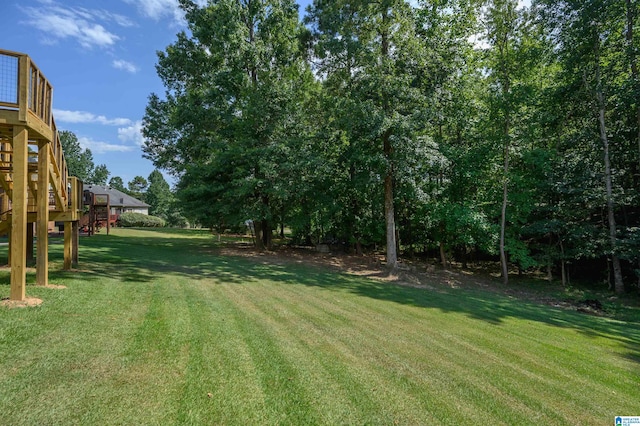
[23,87]
[67,245]
[5,205]
[19,213]
[9,251]
[75,240]
[108,215]
[5,200]
[42,266]
[29,247]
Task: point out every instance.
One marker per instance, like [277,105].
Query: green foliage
[158,195]
[175,218]
[99,175]
[139,220]
[116,182]
[137,187]
[79,161]
[229,126]
[449,105]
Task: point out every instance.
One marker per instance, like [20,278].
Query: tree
[371,57]
[593,50]
[79,161]
[116,182]
[447,189]
[99,175]
[137,187]
[235,88]
[158,195]
[502,33]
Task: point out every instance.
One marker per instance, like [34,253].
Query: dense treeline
[460,127]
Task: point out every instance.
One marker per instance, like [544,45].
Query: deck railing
[26,91]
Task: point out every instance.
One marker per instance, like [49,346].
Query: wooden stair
[34,182]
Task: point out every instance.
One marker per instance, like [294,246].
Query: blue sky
[100,57]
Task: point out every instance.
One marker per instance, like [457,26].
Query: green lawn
[158,328]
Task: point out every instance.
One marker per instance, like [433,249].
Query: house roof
[116,198]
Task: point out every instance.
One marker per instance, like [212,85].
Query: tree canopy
[459,129]
[80,161]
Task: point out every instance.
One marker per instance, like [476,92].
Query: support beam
[23,88]
[67,246]
[42,266]
[75,241]
[30,241]
[19,214]
[5,202]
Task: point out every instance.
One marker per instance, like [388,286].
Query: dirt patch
[409,273]
[369,266]
[417,274]
[55,286]
[26,303]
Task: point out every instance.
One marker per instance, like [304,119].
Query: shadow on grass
[146,259]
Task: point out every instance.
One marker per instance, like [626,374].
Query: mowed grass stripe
[536,379]
[162,330]
[73,348]
[500,361]
[338,398]
[222,384]
[364,349]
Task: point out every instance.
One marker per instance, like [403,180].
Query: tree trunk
[503,216]
[358,247]
[465,263]
[257,227]
[550,260]
[633,62]
[617,271]
[443,255]
[266,234]
[635,77]
[389,215]
[504,34]
[562,265]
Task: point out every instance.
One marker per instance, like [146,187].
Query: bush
[175,219]
[139,220]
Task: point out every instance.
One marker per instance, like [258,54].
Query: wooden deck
[34,182]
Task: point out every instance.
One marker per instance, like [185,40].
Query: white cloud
[80,24]
[132,133]
[87,117]
[159,9]
[121,20]
[98,147]
[125,65]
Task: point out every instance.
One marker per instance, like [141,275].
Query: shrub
[139,220]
